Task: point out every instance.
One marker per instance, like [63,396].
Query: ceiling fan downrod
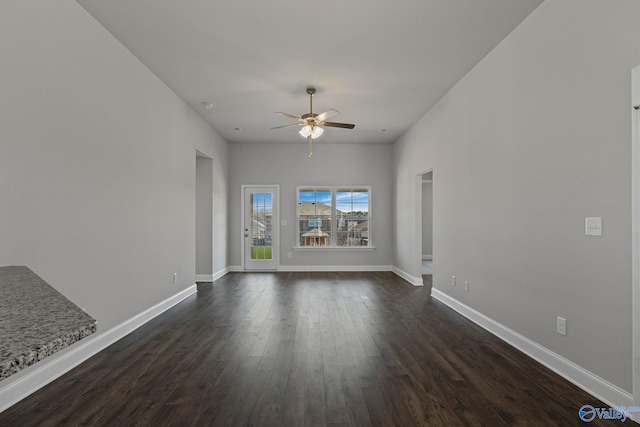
[311,91]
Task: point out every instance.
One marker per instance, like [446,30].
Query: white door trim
[275,223]
[635,223]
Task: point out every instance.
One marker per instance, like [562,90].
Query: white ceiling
[381,63]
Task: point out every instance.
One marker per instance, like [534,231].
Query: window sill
[334,248]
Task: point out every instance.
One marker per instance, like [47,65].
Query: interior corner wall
[331,165]
[97,170]
[530,142]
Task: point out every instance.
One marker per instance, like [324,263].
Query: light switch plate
[593,226]
[561,326]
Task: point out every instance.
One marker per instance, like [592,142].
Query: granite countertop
[35,320]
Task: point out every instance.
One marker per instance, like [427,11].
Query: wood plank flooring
[317,349]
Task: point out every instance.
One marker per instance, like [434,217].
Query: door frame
[422,222]
[418,228]
[204,218]
[635,225]
[275,224]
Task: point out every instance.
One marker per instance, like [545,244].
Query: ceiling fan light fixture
[305,131]
[313,131]
[316,132]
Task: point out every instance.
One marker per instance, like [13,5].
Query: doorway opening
[204,218]
[427,228]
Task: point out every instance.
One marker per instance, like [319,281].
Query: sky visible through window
[262,199]
[346,200]
[352,201]
[316,197]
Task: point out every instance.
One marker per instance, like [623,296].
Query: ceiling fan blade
[291,116]
[324,116]
[288,126]
[337,125]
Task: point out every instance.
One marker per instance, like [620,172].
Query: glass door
[260,228]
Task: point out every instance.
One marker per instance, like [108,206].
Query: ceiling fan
[312,123]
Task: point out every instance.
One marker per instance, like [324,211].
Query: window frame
[333,217]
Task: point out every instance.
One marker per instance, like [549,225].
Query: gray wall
[533,140]
[331,164]
[97,165]
[427,217]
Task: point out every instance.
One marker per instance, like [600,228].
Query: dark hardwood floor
[293,349]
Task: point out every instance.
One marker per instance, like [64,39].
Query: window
[334,217]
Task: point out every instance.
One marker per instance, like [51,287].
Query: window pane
[261,226]
[352,200]
[315,231]
[352,210]
[355,232]
[315,199]
[314,214]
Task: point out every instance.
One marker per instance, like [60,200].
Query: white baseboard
[313,268]
[45,371]
[598,387]
[415,281]
[212,277]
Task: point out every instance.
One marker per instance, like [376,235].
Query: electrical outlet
[466,285]
[175,278]
[561,326]
[289,254]
[453,281]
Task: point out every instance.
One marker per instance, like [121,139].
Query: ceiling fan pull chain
[310,142]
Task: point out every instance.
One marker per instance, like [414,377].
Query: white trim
[333,248]
[415,281]
[219,274]
[313,268]
[635,227]
[600,388]
[212,277]
[46,371]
